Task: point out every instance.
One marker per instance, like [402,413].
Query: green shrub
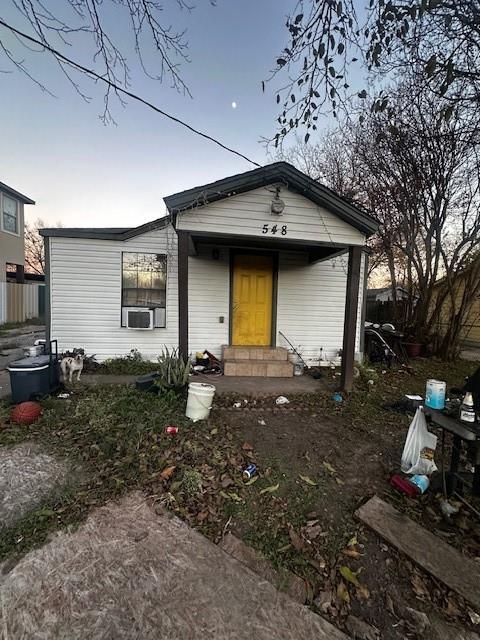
[174,370]
[130,364]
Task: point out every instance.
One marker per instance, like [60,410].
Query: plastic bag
[419,449]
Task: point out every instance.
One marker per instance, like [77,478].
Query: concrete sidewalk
[251,386]
[129,572]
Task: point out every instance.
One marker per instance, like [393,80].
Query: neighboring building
[236,262]
[470,334]
[12,231]
[385,294]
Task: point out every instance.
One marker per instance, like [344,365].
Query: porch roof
[316,251]
[270,174]
[15,194]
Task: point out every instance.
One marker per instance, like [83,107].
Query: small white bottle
[467,412]
[322,359]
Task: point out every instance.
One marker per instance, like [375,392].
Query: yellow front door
[252,300]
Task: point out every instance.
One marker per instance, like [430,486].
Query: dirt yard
[317,462]
[347,465]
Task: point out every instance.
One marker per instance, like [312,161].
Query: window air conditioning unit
[140,319]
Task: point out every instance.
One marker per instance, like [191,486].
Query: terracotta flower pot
[413,349]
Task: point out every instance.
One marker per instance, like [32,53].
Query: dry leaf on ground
[226,481]
[297,541]
[167,473]
[349,575]
[270,489]
[313,532]
[329,467]
[342,592]
[474,617]
[318,563]
[363,592]
[419,587]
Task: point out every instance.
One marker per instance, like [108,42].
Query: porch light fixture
[278,205]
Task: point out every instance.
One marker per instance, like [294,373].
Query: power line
[120,89]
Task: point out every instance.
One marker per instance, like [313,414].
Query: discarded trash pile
[207,363]
[459,415]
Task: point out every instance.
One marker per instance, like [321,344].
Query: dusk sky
[83,173]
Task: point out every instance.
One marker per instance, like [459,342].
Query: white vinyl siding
[86,296]
[86,293]
[86,299]
[247,213]
[311,304]
[86,281]
[209,295]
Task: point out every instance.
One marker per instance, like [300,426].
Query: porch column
[350,322]
[183,243]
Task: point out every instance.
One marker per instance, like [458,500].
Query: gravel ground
[130,572]
[27,476]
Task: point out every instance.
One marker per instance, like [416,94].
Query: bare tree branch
[94,22]
[329,45]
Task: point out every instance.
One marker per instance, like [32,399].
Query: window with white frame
[9,214]
[144,284]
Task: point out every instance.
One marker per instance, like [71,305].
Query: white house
[236,263]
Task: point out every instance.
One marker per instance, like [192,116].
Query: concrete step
[260,368]
[278,354]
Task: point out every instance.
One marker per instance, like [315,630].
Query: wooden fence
[21,302]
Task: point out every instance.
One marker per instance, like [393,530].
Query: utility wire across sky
[120,89]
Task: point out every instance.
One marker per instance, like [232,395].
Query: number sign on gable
[275,229]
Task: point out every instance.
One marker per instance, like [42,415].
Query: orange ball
[26,412]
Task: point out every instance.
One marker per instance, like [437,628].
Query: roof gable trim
[276,172]
[15,194]
[117,234]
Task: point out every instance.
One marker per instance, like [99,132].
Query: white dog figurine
[70,365]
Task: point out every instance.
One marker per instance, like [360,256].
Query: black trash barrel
[33,377]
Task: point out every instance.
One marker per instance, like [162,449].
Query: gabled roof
[15,194]
[270,174]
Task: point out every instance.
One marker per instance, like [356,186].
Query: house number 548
[275,228]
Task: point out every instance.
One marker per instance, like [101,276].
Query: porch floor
[251,386]
[256,386]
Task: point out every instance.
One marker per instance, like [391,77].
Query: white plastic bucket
[199,402]
[298,365]
[435,394]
